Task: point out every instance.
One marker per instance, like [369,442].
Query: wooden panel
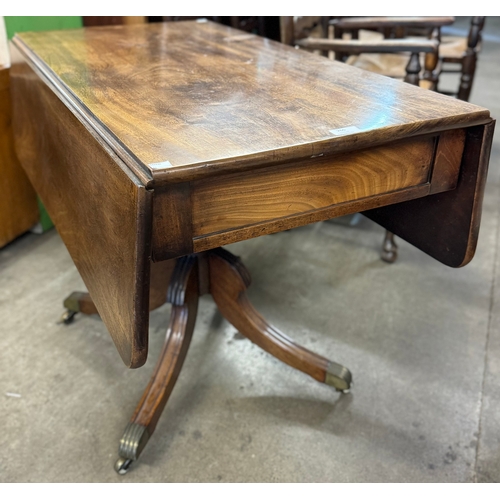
[102,214]
[238,200]
[18,205]
[446,225]
[202,243]
[362,47]
[102,20]
[186,100]
[172,233]
[392,22]
[112,20]
[448,159]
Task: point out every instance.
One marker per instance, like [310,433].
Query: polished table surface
[150,142]
[183,100]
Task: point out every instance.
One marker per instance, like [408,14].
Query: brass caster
[122,465]
[389,248]
[339,376]
[67,317]
[132,443]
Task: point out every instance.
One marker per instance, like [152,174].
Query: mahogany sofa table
[153,145]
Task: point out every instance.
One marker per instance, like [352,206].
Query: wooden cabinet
[18,203]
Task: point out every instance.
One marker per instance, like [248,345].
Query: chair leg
[229,280]
[389,248]
[183,293]
[467,78]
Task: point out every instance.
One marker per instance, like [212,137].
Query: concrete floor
[422,340]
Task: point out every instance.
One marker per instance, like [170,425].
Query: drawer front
[240,200]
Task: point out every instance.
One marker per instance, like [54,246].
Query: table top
[179,100]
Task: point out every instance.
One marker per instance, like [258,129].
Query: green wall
[15,24]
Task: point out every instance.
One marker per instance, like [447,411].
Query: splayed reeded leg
[183,294]
[229,280]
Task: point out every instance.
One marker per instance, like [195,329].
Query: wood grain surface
[207,242]
[179,101]
[101,211]
[18,205]
[238,200]
[172,222]
[446,168]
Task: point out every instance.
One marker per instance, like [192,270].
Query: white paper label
[345,130]
[163,164]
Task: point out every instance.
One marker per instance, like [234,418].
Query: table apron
[206,213]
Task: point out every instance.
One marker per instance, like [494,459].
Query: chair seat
[392,65]
[426,84]
[452,47]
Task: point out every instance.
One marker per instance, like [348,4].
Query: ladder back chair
[462,51]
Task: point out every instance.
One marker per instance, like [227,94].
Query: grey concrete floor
[422,340]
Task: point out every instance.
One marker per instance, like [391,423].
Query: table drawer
[226,208]
[244,199]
